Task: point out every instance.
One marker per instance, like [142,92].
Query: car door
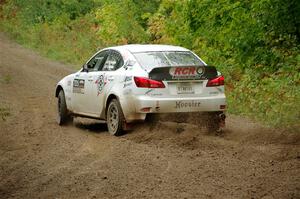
[106,78]
[84,81]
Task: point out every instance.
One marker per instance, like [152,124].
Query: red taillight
[219,81]
[143,82]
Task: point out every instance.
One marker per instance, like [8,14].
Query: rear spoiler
[183,73]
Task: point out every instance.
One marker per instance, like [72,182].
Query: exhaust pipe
[222,118]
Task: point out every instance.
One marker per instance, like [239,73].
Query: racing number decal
[101,82]
[78,86]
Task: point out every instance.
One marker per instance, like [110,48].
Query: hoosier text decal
[191,104]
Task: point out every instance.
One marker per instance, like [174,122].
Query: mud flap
[127,126]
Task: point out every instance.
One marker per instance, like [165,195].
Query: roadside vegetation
[4,113]
[6,79]
[254,43]
[4,110]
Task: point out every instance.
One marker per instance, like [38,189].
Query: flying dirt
[166,157]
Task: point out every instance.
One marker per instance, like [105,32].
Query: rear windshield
[150,60]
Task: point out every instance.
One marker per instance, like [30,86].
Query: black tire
[63,116]
[115,118]
[213,122]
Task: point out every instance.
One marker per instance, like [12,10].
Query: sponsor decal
[186,72]
[127,78]
[127,84]
[127,81]
[78,86]
[127,91]
[149,91]
[183,72]
[156,94]
[213,93]
[101,82]
[190,104]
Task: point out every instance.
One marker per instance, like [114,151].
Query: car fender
[113,94]
[66,85]
[126,102]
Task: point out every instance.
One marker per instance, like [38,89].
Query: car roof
[136,48]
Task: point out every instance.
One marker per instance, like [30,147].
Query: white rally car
[123,84]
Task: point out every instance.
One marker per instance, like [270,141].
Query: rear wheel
[115,118]
[215,122]
[63,116]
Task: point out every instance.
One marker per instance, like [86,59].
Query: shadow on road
[93,127]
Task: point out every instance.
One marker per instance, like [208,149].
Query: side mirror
[84,68]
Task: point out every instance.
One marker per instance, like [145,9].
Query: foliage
[40,11]
[254,43]
[114,26]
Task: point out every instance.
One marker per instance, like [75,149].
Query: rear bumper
[148,104]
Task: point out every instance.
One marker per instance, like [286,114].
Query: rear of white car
[187,85]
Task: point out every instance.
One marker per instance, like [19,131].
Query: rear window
[150,60]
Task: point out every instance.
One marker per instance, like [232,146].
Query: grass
[7,78]
[4,113]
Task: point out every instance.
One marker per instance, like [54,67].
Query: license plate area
[185,88]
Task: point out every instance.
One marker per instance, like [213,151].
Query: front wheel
[115,118]
[63,116]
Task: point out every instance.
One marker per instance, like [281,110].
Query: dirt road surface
[163,159]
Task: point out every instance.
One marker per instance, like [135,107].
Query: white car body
[88,91]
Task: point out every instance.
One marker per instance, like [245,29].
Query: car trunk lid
[185,81]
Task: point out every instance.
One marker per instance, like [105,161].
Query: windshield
[150,60]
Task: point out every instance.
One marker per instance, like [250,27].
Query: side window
[97,61]
[113,61]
